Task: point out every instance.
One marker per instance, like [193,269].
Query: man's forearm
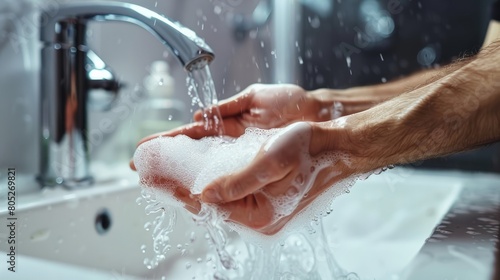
[421,78]
[459,111]
[357,99]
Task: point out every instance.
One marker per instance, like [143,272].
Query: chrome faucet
[65,82]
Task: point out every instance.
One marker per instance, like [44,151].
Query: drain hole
[103,221]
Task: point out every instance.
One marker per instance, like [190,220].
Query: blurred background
[313,43]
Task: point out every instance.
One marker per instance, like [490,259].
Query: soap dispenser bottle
[160,112]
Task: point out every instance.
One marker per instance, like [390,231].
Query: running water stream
[301,253]
[202,91]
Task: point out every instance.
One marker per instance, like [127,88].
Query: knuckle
[234,189]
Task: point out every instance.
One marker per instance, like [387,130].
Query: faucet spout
[65,85]
[191,51]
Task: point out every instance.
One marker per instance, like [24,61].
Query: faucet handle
[104,87]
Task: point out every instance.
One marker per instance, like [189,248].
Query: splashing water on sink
[163,226]
[299,254]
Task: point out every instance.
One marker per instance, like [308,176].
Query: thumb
[261,172]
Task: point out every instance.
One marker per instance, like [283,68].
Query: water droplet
[426,56]
[217,10]
[292,192]
[301,61]
[139,200]
[188,265]
[40,235]
[315,22]
[143,248]
[309,53]
[299,179]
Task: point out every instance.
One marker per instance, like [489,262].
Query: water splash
[162,226]
[212,222]
[303,254]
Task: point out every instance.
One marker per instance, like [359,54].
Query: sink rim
[120,178]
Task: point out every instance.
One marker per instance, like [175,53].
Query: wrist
[335,103]
[378,137]
[339,136]
[323,104]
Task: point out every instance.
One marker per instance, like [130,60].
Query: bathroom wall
[19,62]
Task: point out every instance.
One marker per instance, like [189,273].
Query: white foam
[195,163]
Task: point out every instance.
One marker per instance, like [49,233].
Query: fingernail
[211,196]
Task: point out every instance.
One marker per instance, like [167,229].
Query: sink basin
[378,230]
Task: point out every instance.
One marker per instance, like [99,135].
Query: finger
[195,130]
[174,188]
[190,202]
[254,211]
[290,185]
[262,171]
[233,106]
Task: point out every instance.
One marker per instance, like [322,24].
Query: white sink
[380,226]
[376,230]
